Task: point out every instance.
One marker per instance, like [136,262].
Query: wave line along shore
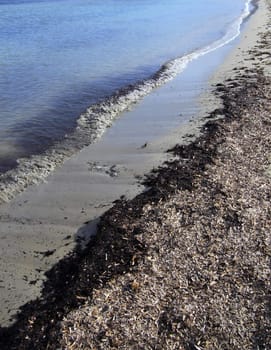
[93,123]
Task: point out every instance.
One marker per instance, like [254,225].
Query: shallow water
[59,57]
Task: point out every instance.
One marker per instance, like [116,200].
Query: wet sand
[137,254]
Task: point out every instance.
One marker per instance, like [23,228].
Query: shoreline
[131,248]
[45,223]
[93,122]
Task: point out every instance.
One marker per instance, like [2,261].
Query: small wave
[97,118]
[100,116]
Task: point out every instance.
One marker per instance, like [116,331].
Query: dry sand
[184,265]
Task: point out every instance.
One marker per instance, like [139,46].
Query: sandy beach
[185,264]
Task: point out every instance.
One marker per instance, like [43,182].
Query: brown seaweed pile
[204,281]
[186,264]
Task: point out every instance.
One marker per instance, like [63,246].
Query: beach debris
[112,170]
[46,253]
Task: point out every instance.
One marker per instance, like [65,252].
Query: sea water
[68,68]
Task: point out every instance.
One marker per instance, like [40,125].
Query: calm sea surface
[58,57]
